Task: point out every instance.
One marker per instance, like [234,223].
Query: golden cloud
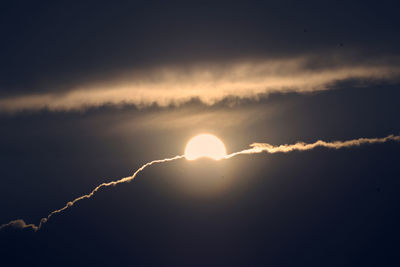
[207,82]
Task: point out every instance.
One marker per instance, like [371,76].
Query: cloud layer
[208,82]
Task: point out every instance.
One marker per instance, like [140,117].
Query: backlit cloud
[301,146]
[207,82]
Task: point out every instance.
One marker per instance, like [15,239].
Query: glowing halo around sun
[205,145]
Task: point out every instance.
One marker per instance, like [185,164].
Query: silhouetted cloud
[256,148]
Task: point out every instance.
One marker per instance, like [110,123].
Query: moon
[205,146]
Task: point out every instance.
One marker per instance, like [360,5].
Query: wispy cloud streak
[301,146]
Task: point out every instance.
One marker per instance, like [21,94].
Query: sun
[205,145]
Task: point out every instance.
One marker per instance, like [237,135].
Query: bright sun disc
[205,145]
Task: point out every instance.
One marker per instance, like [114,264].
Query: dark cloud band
[255,148]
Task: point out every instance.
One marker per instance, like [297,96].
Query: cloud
[301,146]
[255,148]
[208,82]
[18,224]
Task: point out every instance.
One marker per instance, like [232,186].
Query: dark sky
[91,91]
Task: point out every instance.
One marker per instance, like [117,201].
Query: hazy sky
[91,91]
